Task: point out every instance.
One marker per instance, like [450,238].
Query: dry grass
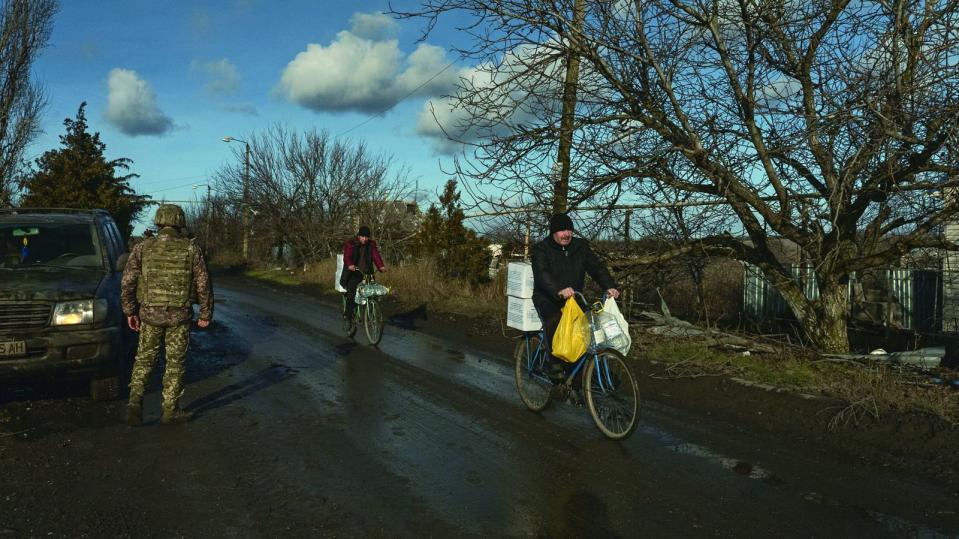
[417,282]
[689,359]
[868,390]
[872,390]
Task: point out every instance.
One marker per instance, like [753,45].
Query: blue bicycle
[610,390]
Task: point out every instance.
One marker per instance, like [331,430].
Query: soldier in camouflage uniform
[163,276]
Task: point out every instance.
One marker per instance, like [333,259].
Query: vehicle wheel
[105,387]
[373,321]
[534,386]
[612,394]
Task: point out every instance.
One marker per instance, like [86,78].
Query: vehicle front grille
[24,315]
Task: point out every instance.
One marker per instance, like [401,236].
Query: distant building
[388,217]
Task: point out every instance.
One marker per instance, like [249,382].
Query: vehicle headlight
[69,313]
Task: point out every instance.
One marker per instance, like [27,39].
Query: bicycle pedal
[575,399]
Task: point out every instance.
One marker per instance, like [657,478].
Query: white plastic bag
[613,327]
[364,291]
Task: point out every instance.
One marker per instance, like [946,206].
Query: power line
[155,180]
[400,100]
[174,187]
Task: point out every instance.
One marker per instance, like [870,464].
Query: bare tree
[25,27]
[308,191]
[829,125]
[678,224]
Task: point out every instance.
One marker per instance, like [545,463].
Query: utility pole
[209,217]
[246,196]
[561,187]
[246,203]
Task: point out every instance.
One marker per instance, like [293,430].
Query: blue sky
[165,82]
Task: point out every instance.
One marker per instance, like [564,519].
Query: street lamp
[246,195]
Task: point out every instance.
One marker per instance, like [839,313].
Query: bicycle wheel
[534,386]
[612,394]
[346,322]
[373,321]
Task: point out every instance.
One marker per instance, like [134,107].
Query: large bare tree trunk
[825,320]
[830,331]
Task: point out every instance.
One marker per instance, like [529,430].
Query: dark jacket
[356,254]
[556,267]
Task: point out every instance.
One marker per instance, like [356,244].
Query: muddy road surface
[302,432]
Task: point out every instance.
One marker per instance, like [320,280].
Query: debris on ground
[925,359]
[664,325]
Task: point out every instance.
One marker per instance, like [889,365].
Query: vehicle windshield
[67,245]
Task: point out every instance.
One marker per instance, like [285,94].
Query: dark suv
[60,308]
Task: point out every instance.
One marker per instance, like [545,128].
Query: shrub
[455,250]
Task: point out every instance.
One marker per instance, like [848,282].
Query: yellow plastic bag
[572,334]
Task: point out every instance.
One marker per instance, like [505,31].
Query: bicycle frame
[592,349]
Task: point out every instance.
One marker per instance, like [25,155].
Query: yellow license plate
[13,348]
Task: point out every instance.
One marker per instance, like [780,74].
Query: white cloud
[779,92]
[356,72]
[501,95]
[442,122]
[222,75]
[426,73]
[373,26]
[132,107]
[351,73]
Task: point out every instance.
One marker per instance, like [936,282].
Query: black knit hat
[364,231]
[560,221]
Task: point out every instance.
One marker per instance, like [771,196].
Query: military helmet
[169,215]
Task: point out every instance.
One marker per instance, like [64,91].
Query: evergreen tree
[77,175]
[458,251]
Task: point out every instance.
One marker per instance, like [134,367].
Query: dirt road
[302,432]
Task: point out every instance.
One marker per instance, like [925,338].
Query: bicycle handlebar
[595,306]
[582,297]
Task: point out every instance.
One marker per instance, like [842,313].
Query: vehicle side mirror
[122,261]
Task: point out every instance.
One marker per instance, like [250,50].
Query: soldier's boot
[175,416]
[135,412]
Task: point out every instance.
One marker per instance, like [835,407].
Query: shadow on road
[263,379]
[407,320]
[211,351]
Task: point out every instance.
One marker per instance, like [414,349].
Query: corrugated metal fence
[906,298]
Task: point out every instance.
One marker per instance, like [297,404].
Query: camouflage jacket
[166,316]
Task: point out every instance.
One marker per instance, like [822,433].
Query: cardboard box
[522,315]
[519,280]
[339,271]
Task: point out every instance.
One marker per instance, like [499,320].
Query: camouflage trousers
[177,341]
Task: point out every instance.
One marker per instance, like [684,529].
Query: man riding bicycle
[560,265]
[360,256]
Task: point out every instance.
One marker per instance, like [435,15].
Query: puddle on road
[737,466]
